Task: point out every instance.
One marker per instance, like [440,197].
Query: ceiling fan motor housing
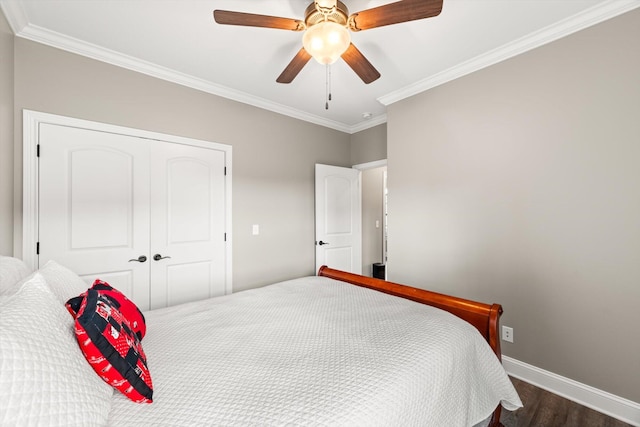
[326,27]
[313,16]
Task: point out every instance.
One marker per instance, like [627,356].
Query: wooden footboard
[484,317]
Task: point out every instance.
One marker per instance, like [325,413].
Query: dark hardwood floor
[544,409]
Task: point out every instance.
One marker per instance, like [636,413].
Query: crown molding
[563,28]
[19,22]
[372,122]
[15,14]
[89,50]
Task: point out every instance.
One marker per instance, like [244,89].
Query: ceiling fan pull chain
[327,95]
[329,72]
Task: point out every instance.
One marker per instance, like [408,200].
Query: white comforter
[315,351]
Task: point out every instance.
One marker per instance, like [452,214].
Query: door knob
[322,243]
[158,257]
[141,258]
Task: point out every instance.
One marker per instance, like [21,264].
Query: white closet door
[187,223]
[94,206]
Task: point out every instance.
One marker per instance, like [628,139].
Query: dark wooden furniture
[484,317]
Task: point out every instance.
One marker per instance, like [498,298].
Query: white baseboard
[591,397]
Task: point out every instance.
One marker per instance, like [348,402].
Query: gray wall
[520,184]
[6,137]
[369,145]
[273,166]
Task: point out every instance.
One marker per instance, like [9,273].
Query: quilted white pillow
[12,270]
[44,379]
[63,282]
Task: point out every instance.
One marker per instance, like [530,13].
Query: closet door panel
[189,188]
[188,223]
[188,282]
[94,206]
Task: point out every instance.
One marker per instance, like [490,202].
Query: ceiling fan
[326,31]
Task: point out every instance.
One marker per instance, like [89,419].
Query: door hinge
[38,150]
[225,171]
[225,237]
[37,248]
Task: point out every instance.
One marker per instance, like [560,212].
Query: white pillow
[12,270]
[45,379]
[63,282]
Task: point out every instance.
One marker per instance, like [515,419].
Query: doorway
[374,217]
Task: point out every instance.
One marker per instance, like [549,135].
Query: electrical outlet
[507,334]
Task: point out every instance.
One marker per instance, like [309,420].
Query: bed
[331,349]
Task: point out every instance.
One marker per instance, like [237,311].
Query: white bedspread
[315,351]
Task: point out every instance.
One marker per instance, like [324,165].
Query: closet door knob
[141,258]
[322,243]
[158,257]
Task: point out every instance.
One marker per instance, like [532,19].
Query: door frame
[31,121]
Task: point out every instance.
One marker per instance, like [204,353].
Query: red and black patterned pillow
[111,346]
[119,300]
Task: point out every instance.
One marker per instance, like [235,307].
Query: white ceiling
[179,41]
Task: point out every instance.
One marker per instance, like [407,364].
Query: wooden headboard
[483,316]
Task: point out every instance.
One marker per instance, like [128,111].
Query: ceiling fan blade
[361,65]
[394,13]
[294,67]
[228,17]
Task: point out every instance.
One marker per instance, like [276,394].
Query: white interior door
[338,218]
[187,219]
[94,206]
[147,216]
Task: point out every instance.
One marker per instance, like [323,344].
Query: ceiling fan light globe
[316,44]
[326,41]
